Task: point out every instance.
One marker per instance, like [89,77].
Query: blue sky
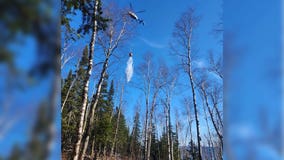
[253,116]
[155,36]
[252,29]
[160,17]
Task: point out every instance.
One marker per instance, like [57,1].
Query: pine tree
[163,154]
[92,22]
[103,126]
[135,143]
[121,144]
[154,155]
[192,151]
[70,113]
[175,146]
[67,124]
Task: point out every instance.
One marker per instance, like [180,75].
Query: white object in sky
[129,69]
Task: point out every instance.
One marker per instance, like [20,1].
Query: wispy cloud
[151,43]
[199,64]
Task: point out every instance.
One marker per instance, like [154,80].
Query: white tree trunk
[89,127]
[220,136]
[117,122]
[86,88]
[150,123]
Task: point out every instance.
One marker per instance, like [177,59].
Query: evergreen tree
[122,139]
[103,124]
[92,22]
[135,143]
[154,155]
[175,146]
[71,111]
[163,149]
[193,151]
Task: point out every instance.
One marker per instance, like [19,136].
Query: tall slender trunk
[208,129]
[220,136]
[93,155]
[193,95]
[171,141]
[150,124]
[216,110]
[190,128]
[68,92]
[177,133]
[168,133]
[117,122]
[146,122]
[89,126]
[85,148]
[195,111]
[86,87]
[70,87]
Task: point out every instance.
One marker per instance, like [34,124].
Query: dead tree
[183,37]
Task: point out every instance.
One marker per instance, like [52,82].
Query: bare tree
[169,81]
[209,137]
[146,73]
[213,120]
[183,37]
[178,128]
[216,66]
[190,120]
[150,86]
[118,31]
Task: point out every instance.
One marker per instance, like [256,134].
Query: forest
[177,113]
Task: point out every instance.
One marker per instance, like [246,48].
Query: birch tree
[211,113]
[169,80]
[151,87]
[183,36]
[92,22]
[117,122]
[119,30]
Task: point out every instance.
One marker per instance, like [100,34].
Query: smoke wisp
[129,69]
